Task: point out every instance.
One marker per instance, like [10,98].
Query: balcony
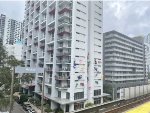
[64,38]
[41,54]
[40,75]
[43,20]
[30,34]
[65,8]
[65,69]
[42,45]
[41,63]
[50,49]
[32,10]
[65,22]
[63,61]
[39,82]
[61,46]
[64,54]
[35,51]
[64,31]
[64,15]
[61,86]
[42,37]
[50,60]
[37,5]
[51,30]
[43,27]
[52,11]
[64,77]
[34,58]
[49,69]
[36,25]
[49,81]
[50,39]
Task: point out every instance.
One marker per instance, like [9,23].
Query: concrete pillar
[53,105]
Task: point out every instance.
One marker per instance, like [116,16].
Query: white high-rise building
[11,35]
[65,37]
[10,30]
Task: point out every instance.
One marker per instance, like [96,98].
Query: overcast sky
[130,17]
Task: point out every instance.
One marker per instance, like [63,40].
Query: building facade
[10,30]
[147,44]
[124,61]
[65,38]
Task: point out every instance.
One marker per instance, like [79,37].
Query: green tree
[27,78]
[6,63]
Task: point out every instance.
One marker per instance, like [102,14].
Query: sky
[128,17]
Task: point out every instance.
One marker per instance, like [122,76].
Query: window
[67,95]
[78,95]
[49,91]
[59,94]
[97,92]
[78,105]
[97,101]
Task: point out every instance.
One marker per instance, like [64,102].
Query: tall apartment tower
[147,44]
[10,30]
[65,38]
[124,61]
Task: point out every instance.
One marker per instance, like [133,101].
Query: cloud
[128,17]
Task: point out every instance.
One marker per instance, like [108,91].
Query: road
[18,109]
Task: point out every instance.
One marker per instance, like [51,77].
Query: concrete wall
[132,92]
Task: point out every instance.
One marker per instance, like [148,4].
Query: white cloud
[141,11]
[130,18]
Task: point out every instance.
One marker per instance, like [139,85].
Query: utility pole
[42,100]
[11,94]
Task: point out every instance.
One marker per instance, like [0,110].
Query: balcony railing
[43,20]
[42,45]
[65,8]
[49,60]
[64,31]
[62,86]
[35,41]
[50,39]
[51,29]
[37,25]
[64,46]
[64,54]
[50,49]
[41,54]
[30,34]
[43,27]
[49,69]
[64,38]
[63,61]
[65,77]
[64,69]
[52,11]
[41,63]
[65,21]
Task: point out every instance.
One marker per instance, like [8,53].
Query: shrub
[88,104]
[37,102]
[32,100]
[48,110]
[59,110]
[23,98]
